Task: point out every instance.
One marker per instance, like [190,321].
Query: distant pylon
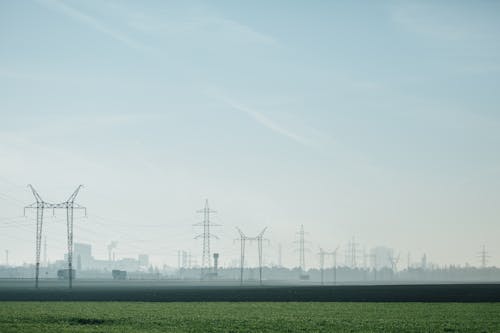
[334,256]
[70,206]
[243,238]
[111,246]
[45,263]
[394,262]
[483,256]
[280,263]
[302,250]
[373,259]
[302,259]
[322,264]
[206,224]
[40,205]
[322,255]
[351,254]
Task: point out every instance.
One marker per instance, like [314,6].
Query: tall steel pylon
[40,205]
[351,254]
[206,224]
[280,253]
[302,250]
[45,262]
[334,256]
[322,255]
[373,259]
[483,256]
[243,238]
[302,257]
[394,262]
[70,206]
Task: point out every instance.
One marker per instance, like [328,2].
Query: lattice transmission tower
[40,205]
[322,254]
[206,265]
[394,262]
[483,256]
[302,251]
[243,239]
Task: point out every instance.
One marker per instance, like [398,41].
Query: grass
[248,317]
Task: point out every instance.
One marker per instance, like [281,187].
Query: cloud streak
[90,21]
[443,22]
[265,121]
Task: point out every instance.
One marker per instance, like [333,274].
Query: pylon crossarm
[35,194]
[205,210]
[242,235]
[201,224]
[73,196]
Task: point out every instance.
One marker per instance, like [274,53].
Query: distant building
[424,262]
[82,253]
[84,261]
[143,260]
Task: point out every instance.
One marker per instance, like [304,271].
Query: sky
[373,120]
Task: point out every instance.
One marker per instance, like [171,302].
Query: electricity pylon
[45,262]
[111,246]
[70,205]
[394,262]
[322,255]
[334,255]
[483,256]
[373,260]
[302,250]
[351,254]
[280,263]
[40,205]
[243,238]
[206,224]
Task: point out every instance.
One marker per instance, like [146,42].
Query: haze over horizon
[378,121]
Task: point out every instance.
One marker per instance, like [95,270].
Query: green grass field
[248,317]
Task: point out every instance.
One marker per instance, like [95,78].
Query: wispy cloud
[91,22]
[263,120]
[444,22]
[201,21]
[245,31]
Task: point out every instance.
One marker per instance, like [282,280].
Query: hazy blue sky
[378,120]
